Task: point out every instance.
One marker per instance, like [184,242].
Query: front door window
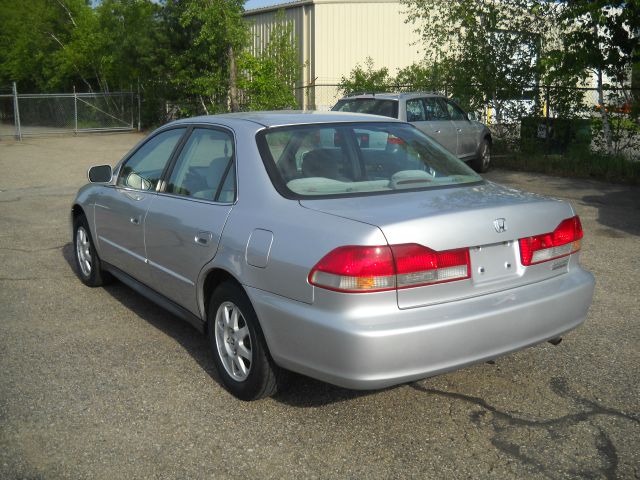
[143,169]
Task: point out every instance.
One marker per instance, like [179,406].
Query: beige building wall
[262,22]
[334,36]
[348,32]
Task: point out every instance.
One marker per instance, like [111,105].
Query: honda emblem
[500,225]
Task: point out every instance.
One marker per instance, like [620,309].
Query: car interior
[343,159]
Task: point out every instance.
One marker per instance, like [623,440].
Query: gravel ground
[101,383]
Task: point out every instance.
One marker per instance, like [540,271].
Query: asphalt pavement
[101,383]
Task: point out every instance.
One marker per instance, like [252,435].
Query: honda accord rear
[454,270]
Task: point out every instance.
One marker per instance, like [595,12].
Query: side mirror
[100,174]
[471,116]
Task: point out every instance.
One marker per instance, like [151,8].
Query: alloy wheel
[233,341]
[486,156]
[83,251]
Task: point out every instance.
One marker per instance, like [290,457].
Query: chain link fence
[49,113]
[548,119]
[319,96]
[553,120]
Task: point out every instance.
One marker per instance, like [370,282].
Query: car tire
[482,162]
[88,266]
[240,352]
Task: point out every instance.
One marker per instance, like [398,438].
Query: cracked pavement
[101,383]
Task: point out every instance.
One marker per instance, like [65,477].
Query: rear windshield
[386,108]
[352,159]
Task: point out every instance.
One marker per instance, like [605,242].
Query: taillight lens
[355,269]
[417,265]
[379,268]
[563,241]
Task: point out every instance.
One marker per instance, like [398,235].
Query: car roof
[392,96]
[286,117]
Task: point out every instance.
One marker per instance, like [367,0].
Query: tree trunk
[233,85]
[606,127]
[204,105]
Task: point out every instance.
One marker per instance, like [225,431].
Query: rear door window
[455,112]
[203,165]
[435,109]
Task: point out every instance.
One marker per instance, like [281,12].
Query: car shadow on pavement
[300,391]
[619,210]
[193,342]
[306,392]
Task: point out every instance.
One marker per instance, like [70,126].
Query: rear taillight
[393,140]
[355,269]
[378,268]
[563,241]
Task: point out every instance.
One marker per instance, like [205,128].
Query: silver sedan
[346,247]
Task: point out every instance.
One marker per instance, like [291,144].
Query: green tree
[601,37]
[367,79]
[488,52]
[219,34]
[492,53]
[130,40]
[269,78]
[422,76]
[54,45]
[32,36]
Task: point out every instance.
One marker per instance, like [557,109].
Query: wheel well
[214,278]
[488,138]
[76,211]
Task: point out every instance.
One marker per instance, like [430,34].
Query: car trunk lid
[486,218]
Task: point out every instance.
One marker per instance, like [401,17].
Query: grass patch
[583,164]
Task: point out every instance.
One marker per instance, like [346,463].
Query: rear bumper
[375,344]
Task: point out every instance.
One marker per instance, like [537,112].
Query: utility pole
[75,111]
[139,104]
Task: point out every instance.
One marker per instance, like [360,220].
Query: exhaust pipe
[555,341]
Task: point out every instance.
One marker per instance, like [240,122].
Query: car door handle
[203,238]
[436,131]
[135,220]
[459,130]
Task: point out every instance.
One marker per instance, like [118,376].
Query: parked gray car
[346,247]
[439,117]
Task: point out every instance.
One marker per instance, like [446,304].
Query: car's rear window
[326,160]
[373,106]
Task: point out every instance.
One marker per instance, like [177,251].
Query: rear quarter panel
[301,237]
